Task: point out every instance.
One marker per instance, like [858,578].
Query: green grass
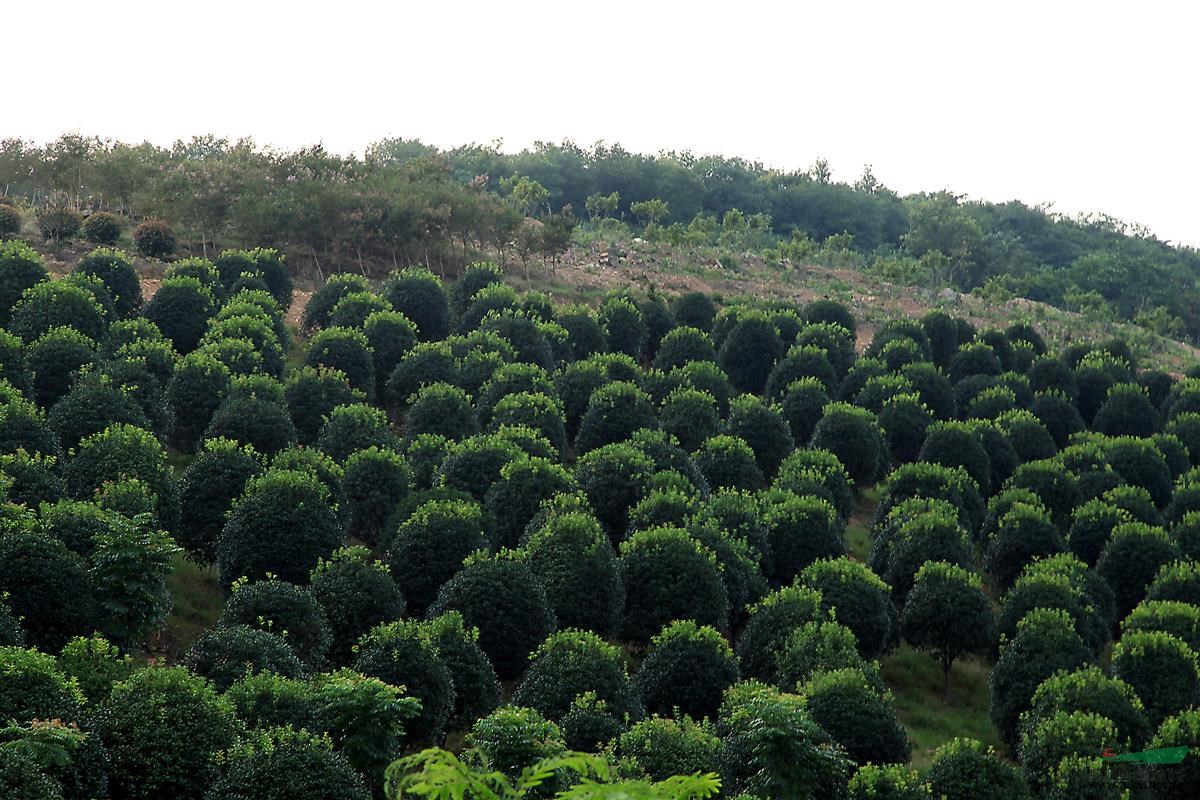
[858,527]
[931,718]
[197,604]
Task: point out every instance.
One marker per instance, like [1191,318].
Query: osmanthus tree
[948,613]
[966,768]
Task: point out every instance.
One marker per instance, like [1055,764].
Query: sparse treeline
[405,202]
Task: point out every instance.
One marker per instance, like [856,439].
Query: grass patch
[931,718]
[858,527]
[197,603]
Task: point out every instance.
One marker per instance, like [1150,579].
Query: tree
[196,391]
[854,436]
[154,238]
[694,309]
[1132,557]
[650,211]
[801,530]
[749,352]
[348,351]
[231,653]
[771,747]
[1046,642]
[115,269]
[966,768]
[354,427]
[129,569]
[668,576]
[404,654]
[1183,729]
[256,422]
[476,687]
[282,524]
[664,747]
[312,393]
[570,663]
[281,762]
[181,309]
[858,716]
[1162,670]
[686,671]
[948,613]
[1088,689]
[500,596]
[418,294]
[282,608]
[764,429]
[1126,412]
[614,478]
[859,599]
[602,205]
[578,569]
[1022,535]
[429,547]
[162,727]
[727,462]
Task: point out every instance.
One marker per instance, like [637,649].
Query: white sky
[1089,105]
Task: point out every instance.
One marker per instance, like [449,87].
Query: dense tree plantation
[470,543]
[404,202]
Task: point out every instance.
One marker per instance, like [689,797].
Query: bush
[1130,560]
[500,596]
[801,530]
[669,576]
[682,345]
[417,294]
[375,482]
[282,525]
[355,427]
[614,412]
[1041,588]
[476,687]
[95,665]
[1140,463]
[21,268]
[512,739]
[577,567]
[101,227]
[125,451]
[889,782]
[764,429]
[1055,487]
[115,269]
[570,663]
[321,304]
[1178,581]
[312,393]
[859,599]
[771,747]
[230,653]
[623,325]
[282,608]
[770,624]
[1045,643]
[953,444]
[181,309]
[346,350]
[853,435]
[208,488]
[1058,414]
[690,415]
[749,352]
[282,763]
[1023,534]
[54,359]
[523,486]
[803,406]
[195,392]
[59,224]
[663,748]
[404,654]
[1162,670]
[694,309]
[258,423]
[154,238]
[858,716]
[364,717]
[54,304]
[965,768]
[1183,729]
[1126,412]
[801,362]
[162,729]
[727,462]
[614,477]
[430,545]
[975,358]
[35,688]
[1089,690]
[686,671]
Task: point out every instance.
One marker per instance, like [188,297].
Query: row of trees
[461,488]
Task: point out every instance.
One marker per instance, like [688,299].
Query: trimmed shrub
[282,763]
[1132,557]
[10,221]
[1162,670]
[578,569]
[115,269]
[859,599]
[404,654]
[208,488]
[690,415]
[1023,534]
[162,728]
[430,545]
[1045,643]
[888,782]
[230,653]
[375,481]
[614,477]
[662,747]
[357,593]
[53,304]
[853,435]
[23,426]
[279,507]
[355,427]
[316,313]
[771,747]
[476,687]
[686,671]
[195,392]
[749,352]
[441,409]
[570,663]
[35,688]
[1057,488]
[1181,730]
[511,739]
[623,325]
[613,413]
[312,393]
[669,576]
[966,768]
[154,238]
[1126,412]
[500,596]
[125,451]
[54,358]
[727,462]
[346,350]
[1089,690]
[181,309]
[21,268]
[682,345]
[59,224]
[1047,588]
[771,623]
[858,716]
[514,499]
[418,294]
[101,227]
[801,530]
[764,429]
[694,309]
[258,423]
[289,611]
